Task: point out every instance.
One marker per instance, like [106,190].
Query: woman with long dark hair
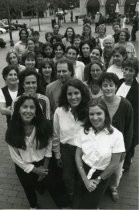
[68,38]
[99,148]
[68,119]
[27,137]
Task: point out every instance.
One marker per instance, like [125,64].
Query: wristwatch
[99,179]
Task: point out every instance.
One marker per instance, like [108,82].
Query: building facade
[108,7]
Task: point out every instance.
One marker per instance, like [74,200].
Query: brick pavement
[11,193]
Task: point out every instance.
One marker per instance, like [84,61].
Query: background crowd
[72,112]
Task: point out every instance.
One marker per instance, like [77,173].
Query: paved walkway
[11,192]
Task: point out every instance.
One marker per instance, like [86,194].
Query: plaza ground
[11,193]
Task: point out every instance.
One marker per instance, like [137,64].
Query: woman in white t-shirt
[9,92]
[98,153]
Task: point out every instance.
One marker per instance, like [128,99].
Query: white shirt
[98,148]
[79,70]
[12,94]
[116,70]
[24,158]
[123,90]
[65,129]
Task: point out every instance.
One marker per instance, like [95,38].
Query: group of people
[72,113]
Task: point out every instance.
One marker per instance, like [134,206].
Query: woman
[9,92]
[99,148]
[68,119]
[48,51]
[101,35]
[87,35]
[95,71]
[119,54]
[48,74]
[71,54]
[129,89]
[95,54]
[121,114]
[29,60]
[68,38]
[30,47]
[13,59]
[27,137]
[29,83]
[59,51]
[85,50]
[124,41]
[48,36]
[20,47]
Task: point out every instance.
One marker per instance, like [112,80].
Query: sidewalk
[11,192]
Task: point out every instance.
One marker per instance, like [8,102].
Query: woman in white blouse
[27,137]
[99,148]
[68,120]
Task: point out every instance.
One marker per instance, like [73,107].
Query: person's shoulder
[41,96]
[52,85]
[116,132]
[125,102]
[80,63]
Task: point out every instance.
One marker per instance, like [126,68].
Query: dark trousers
[89,200]
[69,167]
[30,183]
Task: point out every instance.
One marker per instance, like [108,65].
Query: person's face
[30,62]
[116,28]
[13,59]
[48,37]
[47,70]
[122,36]
[48,51]
[108,88]
[30,45]
[86,30]
[36,37]
[63,73]
[27,111]
[129,73]
[30,84]
[95,54]
[97,117]
[108,44]
[77,42]
[86,50]
[59,52]
[74,96]
[69,32]
[23,35]
[39,58]
[96,71]
[12,78]
[101,31]
[56,29]
[118,59]
[71,54]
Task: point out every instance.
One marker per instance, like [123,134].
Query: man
[65,71]
[38,44]
[116,28]
[108,44]
[56,31]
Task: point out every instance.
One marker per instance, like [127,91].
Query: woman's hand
[90,184]
[40,171]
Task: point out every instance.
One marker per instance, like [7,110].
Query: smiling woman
[27,137]
[68,119]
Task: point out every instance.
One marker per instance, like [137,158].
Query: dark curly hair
[9,68]
[85,97]
[107,123]
[15,134]
[110,77]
